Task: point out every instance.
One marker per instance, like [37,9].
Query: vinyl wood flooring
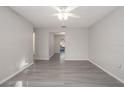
[59,73]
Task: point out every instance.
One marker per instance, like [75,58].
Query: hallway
[60,73]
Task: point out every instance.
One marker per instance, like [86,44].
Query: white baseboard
[41,58]
[9,77]
[76,59]
[117,78]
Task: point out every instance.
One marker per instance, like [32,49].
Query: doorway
[62,46]
[34,36]
[57,44]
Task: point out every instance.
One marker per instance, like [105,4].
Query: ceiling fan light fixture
[62,16]
[64,12]
[65,16]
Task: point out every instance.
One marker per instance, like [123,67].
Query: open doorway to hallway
[57,44]
[34,36]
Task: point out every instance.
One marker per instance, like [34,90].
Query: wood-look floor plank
[60,73]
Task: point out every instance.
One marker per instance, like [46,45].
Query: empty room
[61,46]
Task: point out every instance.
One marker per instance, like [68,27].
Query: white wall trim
[41,58]
[14,74]
[76,59]
[108,72]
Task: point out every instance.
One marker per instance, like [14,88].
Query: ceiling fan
[64,12]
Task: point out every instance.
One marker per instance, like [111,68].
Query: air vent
[63,26]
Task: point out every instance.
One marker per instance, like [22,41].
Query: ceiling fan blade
[73,15]
[70,8]
[55,14]
[57,8]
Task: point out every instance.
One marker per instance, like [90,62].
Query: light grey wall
[42,44]
[76,44]
[15,42]
[51,44]
[106,43]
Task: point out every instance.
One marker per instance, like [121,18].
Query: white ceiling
[40,16]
